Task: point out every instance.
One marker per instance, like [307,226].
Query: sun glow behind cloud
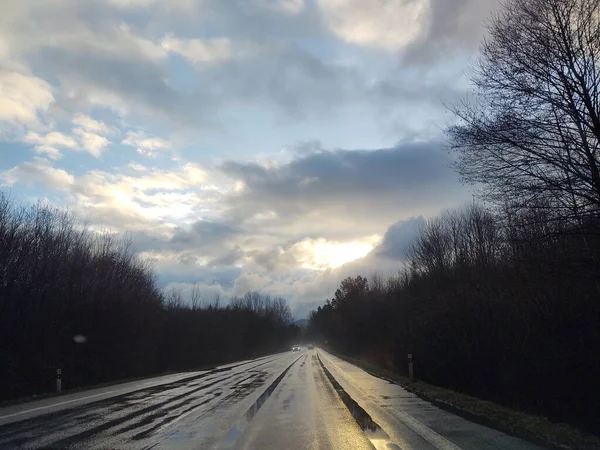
[320,254]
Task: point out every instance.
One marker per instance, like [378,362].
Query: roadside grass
[534,428]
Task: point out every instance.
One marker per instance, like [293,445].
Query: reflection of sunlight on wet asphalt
[305,411]
[235,432]
[370,428]
[286,401]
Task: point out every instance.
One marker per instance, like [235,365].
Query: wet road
[306,400]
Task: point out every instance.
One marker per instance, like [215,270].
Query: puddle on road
[378,437]
[235,432]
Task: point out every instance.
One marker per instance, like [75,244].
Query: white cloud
[24,98]
[137,167]
[52,139]
[50,143]
[48,151]
[146,145]
[38,171]
[91,125]
[199,51]
[385,24]
[138,201]
[91,142]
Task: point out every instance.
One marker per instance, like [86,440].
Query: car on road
[310,346]
[296,348]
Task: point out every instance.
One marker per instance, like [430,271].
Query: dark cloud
[274,260]
[398,239]
[244,19]
[229,258]
[204,232]
[291,78]
[453,26]
[138,86]
[343,189]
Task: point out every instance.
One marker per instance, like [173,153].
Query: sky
[270,145]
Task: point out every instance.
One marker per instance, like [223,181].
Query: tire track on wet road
[153,408]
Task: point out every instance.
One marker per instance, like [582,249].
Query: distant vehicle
[296,348]
[310,346]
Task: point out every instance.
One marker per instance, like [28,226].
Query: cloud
[146,145]
[324,192]
[286,7]
[91,125]
[141,201]
[199,51]
[91,142]
[150,199]
[50,143]
[38,171]
[285,236]
[294,238]
[398,239]
[24,98]
[95,59]
[205,237]
[384,24]
[451,27]
[261,55]
[285,77]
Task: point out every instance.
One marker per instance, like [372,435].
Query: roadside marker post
[59,380]
[410,366]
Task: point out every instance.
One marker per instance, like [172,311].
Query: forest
[501,299]
[81,301]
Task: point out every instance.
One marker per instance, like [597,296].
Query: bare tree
[216,301]
[196,297]
[532,132]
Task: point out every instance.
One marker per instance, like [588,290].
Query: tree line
[501,299]
[83,302]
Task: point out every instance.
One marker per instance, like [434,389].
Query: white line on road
[435,439]
[55,405]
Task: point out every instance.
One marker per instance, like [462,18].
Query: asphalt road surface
[294,400]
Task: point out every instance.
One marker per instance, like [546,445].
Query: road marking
[55,405]
[435,439]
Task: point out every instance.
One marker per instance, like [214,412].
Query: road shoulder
[533,428]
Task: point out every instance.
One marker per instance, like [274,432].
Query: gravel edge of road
[535,429]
